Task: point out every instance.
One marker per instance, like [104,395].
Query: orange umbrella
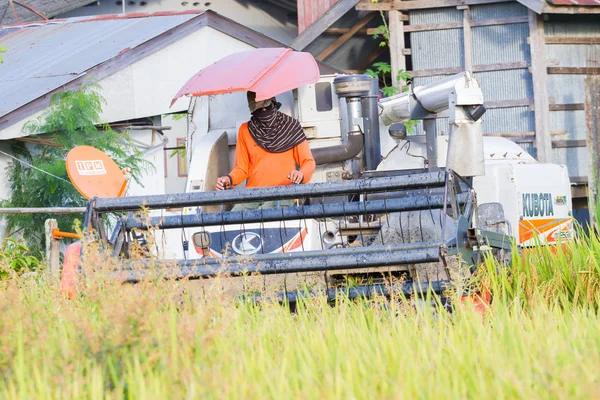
[267,72]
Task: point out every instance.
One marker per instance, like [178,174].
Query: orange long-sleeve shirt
[262,168]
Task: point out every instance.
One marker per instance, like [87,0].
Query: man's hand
[296,176]
[223,182]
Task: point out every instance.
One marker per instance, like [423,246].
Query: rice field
[538,339]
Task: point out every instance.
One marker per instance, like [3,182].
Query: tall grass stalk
[539,339]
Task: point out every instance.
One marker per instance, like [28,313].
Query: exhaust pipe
[370,109]
[340,153]
[350,89]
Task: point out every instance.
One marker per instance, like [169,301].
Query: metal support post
[430,126]
[52,248]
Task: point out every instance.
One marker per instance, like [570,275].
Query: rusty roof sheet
[586,3]
[42,57]
[35,10]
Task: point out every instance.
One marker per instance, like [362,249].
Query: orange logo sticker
[90,167]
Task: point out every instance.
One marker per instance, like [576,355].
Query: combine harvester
[418,219]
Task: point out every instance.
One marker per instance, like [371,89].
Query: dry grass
[153,341]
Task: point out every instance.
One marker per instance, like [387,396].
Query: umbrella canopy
[268,72]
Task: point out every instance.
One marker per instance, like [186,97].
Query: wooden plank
[543,142]
[433,27]
[508,103]
[500,21]
[397,59]
[344,38]
[592,118]
[501,66]
[572,40]
[579,180]
[368,5]
[522,134]
[404,17]
[574,70]
[418,4]
[467,39]
[423,4]
[320,25]
[458,25]
[579,191]
[43,210]
[455,25]
[52,249]
[573,10]
[567,107]
[341,31]
[569,143]
[476,68]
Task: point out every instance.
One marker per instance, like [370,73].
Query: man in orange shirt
[271,150]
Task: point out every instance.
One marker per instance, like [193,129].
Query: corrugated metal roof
[42,57]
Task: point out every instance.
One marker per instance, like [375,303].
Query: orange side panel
[69,278]
[480,301]
[529,228]
[296,242]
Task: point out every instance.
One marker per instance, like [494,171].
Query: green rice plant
[567,274]
[170,339]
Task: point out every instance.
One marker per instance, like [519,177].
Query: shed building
[532,58]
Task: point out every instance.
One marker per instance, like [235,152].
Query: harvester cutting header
[383,211]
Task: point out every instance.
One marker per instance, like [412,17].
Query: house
[140,61]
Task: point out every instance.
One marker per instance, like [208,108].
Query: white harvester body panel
[535,197]
[247,239]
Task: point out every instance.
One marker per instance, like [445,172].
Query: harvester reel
[415,227]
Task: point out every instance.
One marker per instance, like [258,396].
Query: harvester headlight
[201,242]
[397,131]
[329,238]
[476,112]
